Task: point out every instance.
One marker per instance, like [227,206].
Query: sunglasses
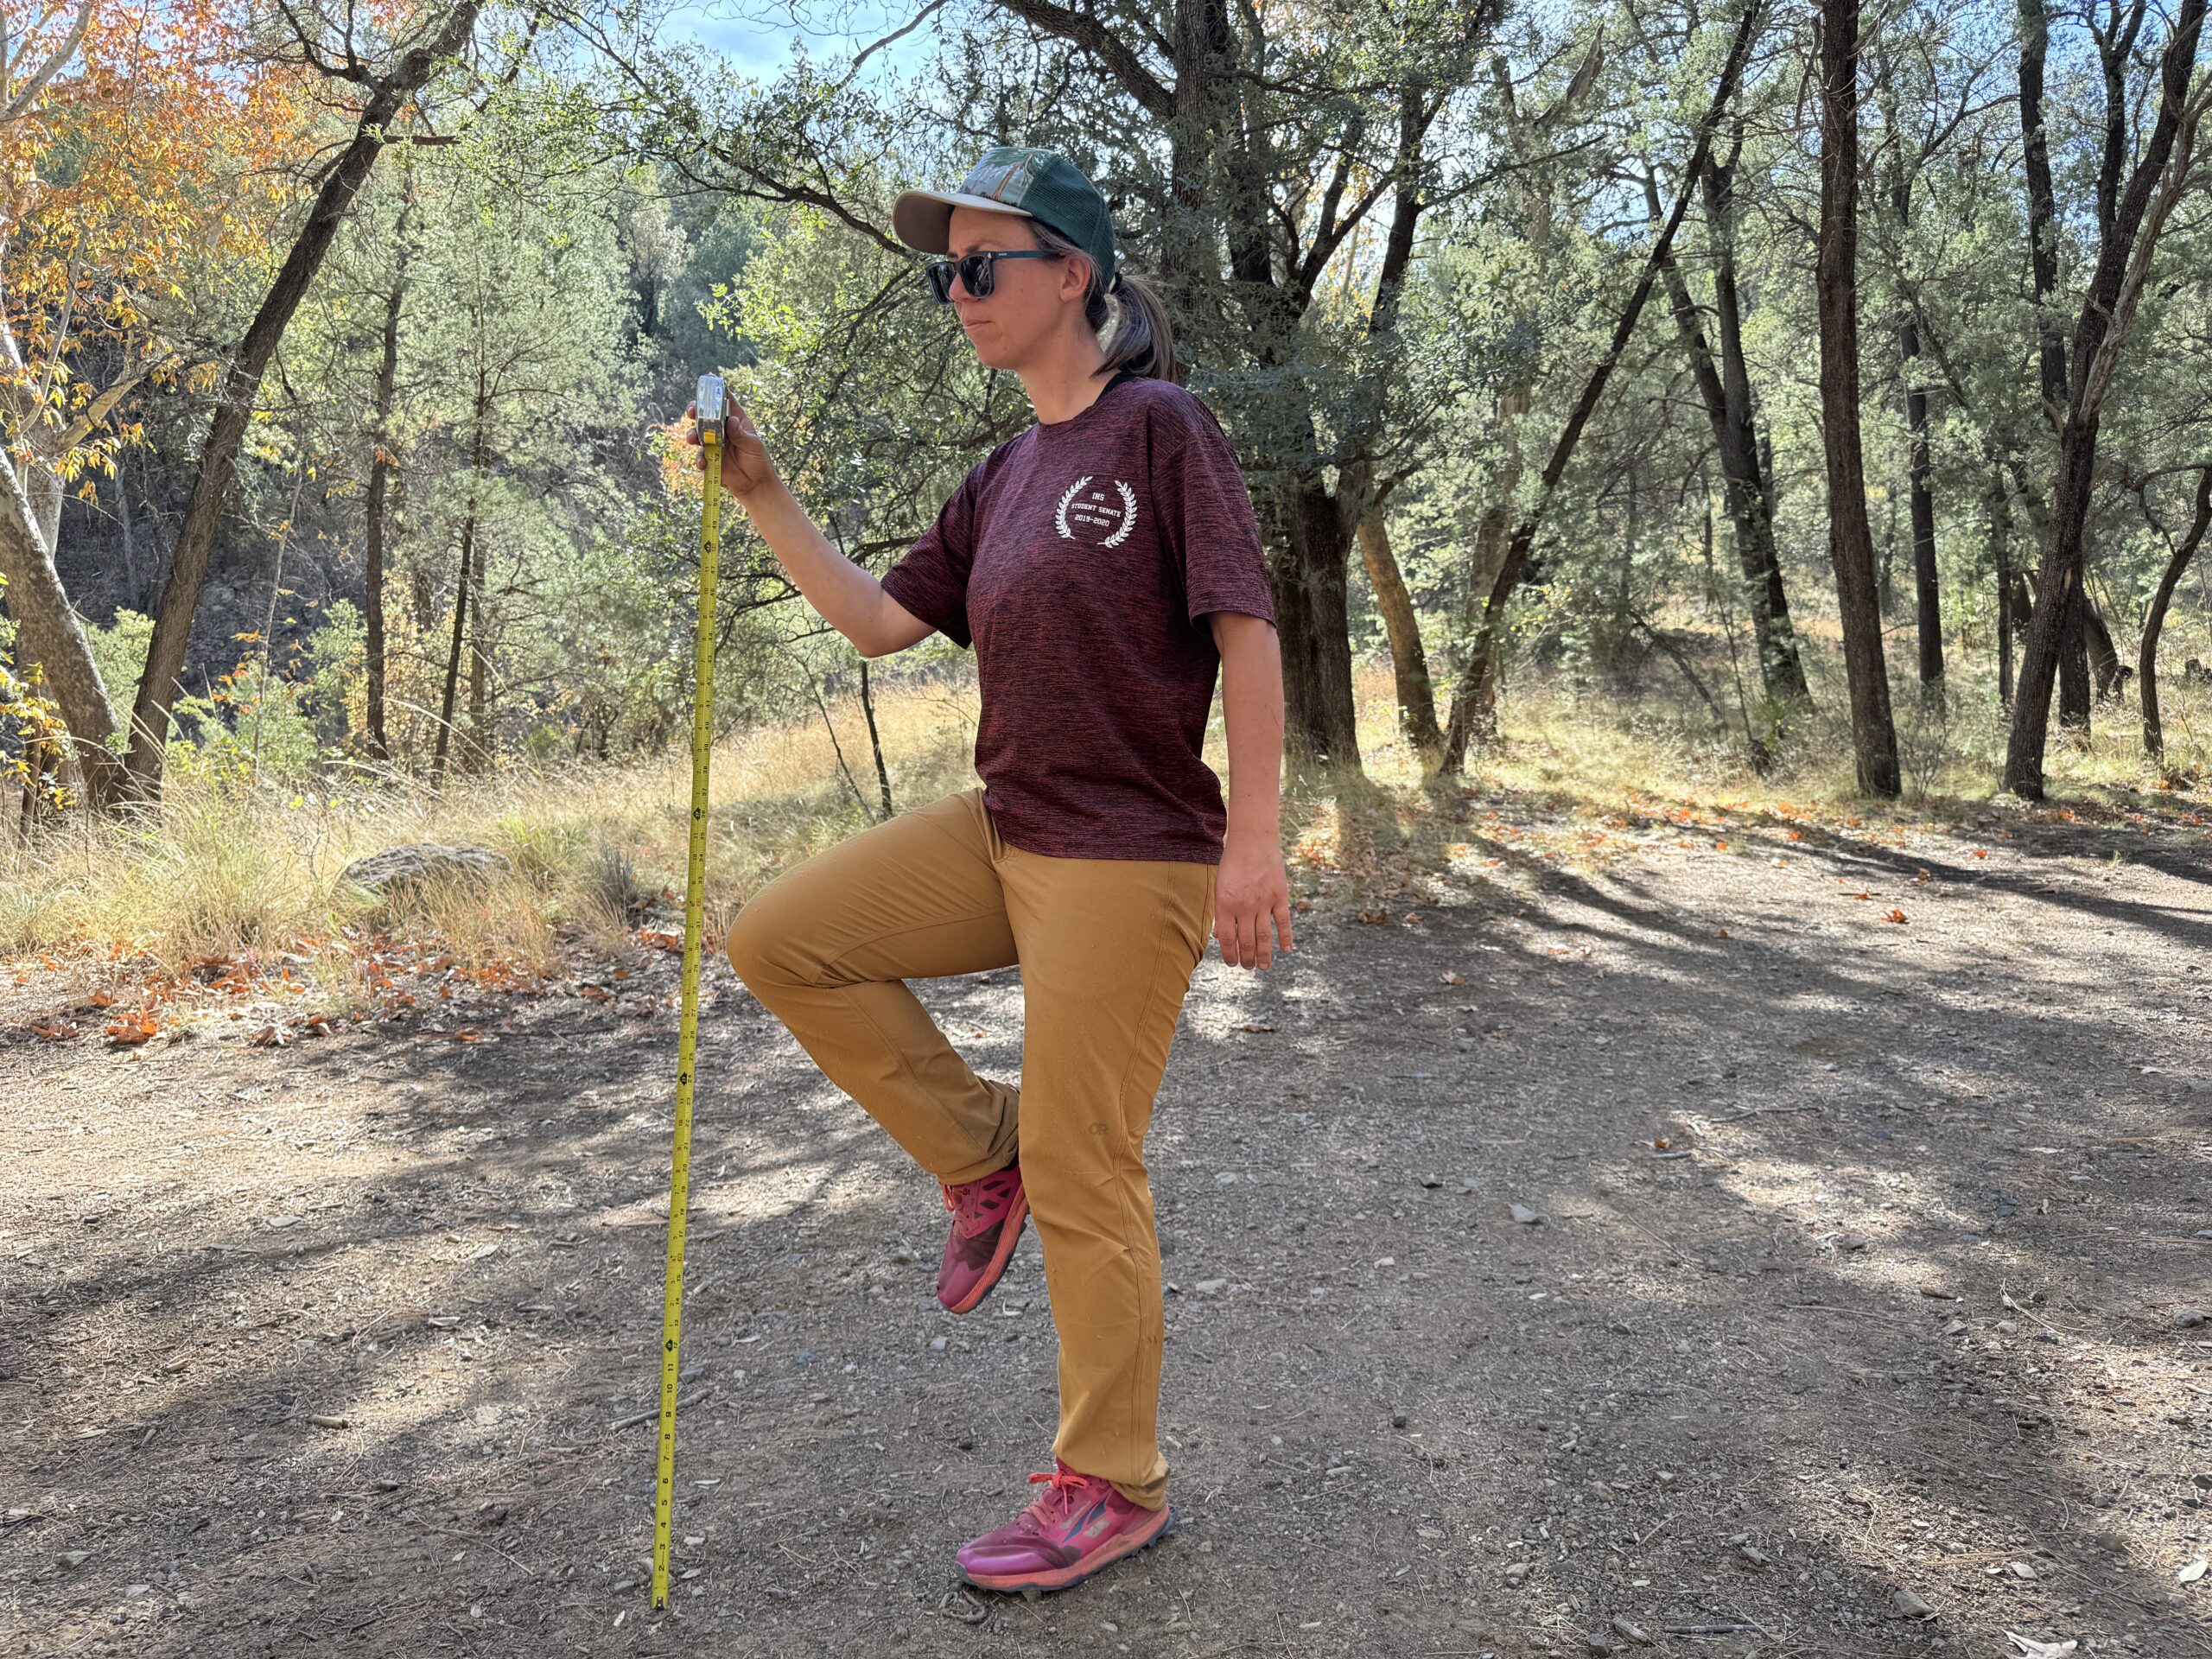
[975,270]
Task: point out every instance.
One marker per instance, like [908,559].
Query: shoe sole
[1009,1235]
[1037,1584]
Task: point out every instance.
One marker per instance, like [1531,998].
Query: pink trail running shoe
[987,1217]
[1078,1525]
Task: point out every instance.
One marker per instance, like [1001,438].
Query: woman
[1103,564]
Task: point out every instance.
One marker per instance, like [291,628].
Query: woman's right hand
[747,469]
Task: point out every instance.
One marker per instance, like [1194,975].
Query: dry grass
[219,872]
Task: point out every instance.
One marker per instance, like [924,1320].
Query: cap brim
[923,219]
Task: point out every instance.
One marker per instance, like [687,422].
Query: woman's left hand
[1251,892]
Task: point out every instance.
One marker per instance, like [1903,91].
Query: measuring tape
[711,413]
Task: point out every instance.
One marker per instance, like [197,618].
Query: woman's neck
[1067,381]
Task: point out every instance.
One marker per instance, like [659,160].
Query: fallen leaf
[2192,1573]
[1450,978]
[2032,1649]
[1894,915]
[132,1030]
[468,1034]
[56,1031]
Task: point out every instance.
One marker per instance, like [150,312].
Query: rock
[1850,1241]
[1632,1630]
[1432,1180]
[1398,1420]
[1956,1328]
[2022,1571]
[1523,1214]
[1908,1605]
[70,1560]
[1599,1642]
[1517,1573]
[2192,1572]
[936,1345]
[2189,1318]
[399,871]
[1210,1286]
[1754,1556]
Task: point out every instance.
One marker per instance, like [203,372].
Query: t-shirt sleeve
[1213,531]
[930,578]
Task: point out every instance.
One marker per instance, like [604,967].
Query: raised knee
[750,943]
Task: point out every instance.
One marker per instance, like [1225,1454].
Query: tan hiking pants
[1107,947]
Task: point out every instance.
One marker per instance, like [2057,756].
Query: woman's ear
[1075,275]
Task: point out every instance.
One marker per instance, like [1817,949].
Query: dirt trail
[1901,1305]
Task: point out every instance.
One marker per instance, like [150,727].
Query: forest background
[1802,400]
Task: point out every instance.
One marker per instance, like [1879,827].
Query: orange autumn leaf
[1894,915]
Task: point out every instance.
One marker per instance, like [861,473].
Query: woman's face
[1030,299]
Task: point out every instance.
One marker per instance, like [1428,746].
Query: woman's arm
[849,599]
[1252,888]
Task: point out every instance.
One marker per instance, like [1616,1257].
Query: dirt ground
[1864,1262]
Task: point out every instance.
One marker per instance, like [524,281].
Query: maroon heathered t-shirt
[1080,559]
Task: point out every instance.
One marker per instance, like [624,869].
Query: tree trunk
[134,584]
[482,740]
[2001,534]
[1850,543]
[1315,629]
[1928,605]
[1408,661]
[2146,661]
[1474,701]
[2105,668]
[51,635]
[1725,393]
[461,589]
[211,485]
[469,586]
[2043,212]
[875,741]
[2107,308]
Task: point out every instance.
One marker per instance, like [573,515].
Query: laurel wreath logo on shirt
[1096,516]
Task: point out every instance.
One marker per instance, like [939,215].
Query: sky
[759,48]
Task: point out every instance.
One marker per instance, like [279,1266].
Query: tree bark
[50,634]
[1315,632]
[452,656]
[1927,609]
[2107,308]
[211,485]
[1725,393]
[1851,543]
[2001,535]
[1408,661]
[2146,660]
[482,739]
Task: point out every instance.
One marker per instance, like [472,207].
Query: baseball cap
[1039,184]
